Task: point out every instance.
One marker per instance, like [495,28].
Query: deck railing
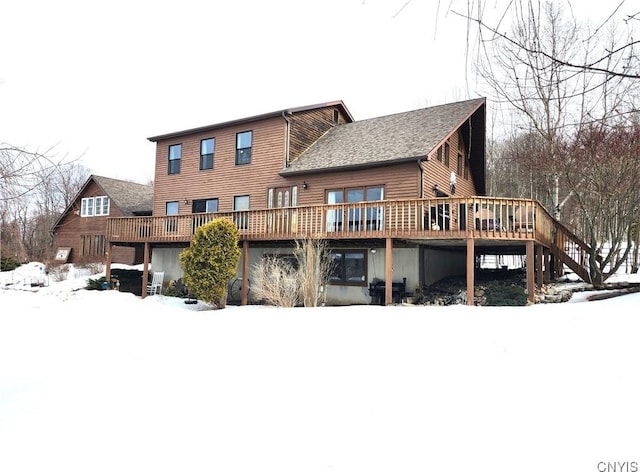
[436,218]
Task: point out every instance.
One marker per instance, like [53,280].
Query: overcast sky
[97,81]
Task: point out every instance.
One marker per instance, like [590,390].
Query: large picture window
[244,141]
[94,206]
[349,267]
[175,157]
[357,217]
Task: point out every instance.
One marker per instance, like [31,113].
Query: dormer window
[94,206]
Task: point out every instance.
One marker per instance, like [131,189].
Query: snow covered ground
[106,381]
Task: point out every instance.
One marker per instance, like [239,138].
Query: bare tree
[287,281]
[606,194]
[542,93]
[34,188]
[635,237]
[620,61]
[314,270]
[275,282]
[513,167]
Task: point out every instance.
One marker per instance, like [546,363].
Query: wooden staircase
[571,251]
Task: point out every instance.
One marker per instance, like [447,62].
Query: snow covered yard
[106,381]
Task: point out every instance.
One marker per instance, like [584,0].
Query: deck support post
[538,250]
[471,270]
[547,265]
[559,266]
[107,268]
[145,270]
[388,272]
[530,271]
[244,294]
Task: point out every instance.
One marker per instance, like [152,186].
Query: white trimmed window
[95,206]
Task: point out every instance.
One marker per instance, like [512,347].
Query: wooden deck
[489,221]
[438,218]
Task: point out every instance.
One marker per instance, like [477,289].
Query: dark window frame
[174,162]
[343,279]
[243,155]
[447,151]
[356,220]
[241,219]
[207,160]
[199,205]
[171,225]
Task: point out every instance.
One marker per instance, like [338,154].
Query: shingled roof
[250,119]
[130,197]
[387,139]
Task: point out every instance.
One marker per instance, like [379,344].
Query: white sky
[97,81]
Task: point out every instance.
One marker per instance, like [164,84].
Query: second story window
[102,206]
[446,155]
[207,148]
[94,206]
[175,156]
[243,147]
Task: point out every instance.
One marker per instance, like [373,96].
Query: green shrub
[8,264]
[176,289]
[211,260]
[96,284]
[505,295]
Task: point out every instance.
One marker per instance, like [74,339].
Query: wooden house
[400,198]
[81,230]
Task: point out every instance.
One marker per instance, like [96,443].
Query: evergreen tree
[211,261]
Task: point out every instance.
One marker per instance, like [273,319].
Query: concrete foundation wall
[166,259]
[405,264]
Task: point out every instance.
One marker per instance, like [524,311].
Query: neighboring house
[398,197]
[81,231]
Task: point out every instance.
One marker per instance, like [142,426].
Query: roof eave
[251,119]
[366,165]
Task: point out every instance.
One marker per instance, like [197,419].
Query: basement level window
[349,267]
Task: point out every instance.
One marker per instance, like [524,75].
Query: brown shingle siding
[71,227]
[226,179]
[309,126]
